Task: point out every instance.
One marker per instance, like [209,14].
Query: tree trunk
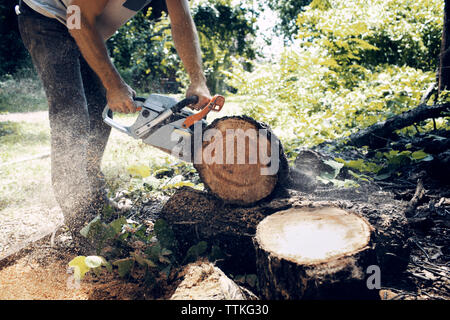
[444,61]
[314,253]
[241,161]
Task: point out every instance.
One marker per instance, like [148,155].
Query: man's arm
[93,49]
[186,42]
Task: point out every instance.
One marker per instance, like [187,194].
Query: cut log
[204,281]
[378,135]
[241,161]
[314,253]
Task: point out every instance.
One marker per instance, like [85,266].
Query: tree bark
[204,281]
[444,59]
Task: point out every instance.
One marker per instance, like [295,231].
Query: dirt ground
[41,271]
[43,274]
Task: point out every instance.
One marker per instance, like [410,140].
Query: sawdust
[32,280]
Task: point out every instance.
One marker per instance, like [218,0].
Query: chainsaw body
[165,123]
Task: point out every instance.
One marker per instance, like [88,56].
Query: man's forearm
[186,42]
[95,53]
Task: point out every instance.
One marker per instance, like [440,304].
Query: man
[79,79]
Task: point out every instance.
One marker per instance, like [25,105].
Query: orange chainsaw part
[215,104]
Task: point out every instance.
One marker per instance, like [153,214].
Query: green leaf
[143,261]
[124,266]
[436,137]
[85,230]
[179,185]
[195,251]
[80,267]
[141,171]
[420,155]
[164,172]
[337,166]
[154,251]
[164,234]
[118,224]
[362,177]
[347,183]
[383,176]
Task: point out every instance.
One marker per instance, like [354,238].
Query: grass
[27,183]
[21,94]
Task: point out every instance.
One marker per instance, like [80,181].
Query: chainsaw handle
[108,113]
[139,101]
[215,104]
[184,103]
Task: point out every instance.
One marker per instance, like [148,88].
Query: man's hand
[121,99]
[200,90]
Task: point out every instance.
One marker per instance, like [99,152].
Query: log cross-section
[241,160]
[314,253]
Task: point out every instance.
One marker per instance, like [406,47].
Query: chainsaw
[165,123]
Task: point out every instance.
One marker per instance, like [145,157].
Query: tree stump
[241,160]
[196,216]
[314,253]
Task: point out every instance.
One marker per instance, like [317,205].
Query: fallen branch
[378,134]
[414,202]
[432,90]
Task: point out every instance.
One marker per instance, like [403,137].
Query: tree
[288,12]
[225,32]
[144,52]
[354,63]
[444,73]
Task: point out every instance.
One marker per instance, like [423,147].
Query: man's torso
[114,15]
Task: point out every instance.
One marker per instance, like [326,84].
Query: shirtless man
[79,79]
